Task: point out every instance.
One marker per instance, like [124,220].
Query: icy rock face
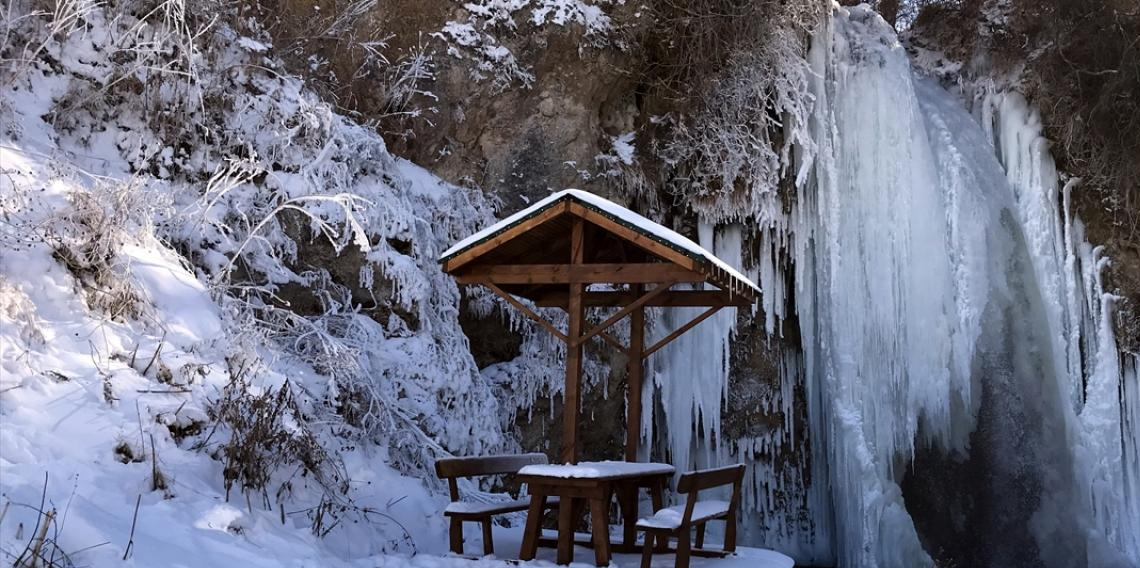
[948,303]
[1096,381]
[940,302]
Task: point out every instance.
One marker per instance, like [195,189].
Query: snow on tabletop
[591,470]
[671,517]
[611,209]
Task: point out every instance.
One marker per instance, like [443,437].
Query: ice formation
[947,298]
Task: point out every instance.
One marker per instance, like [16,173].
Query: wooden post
[572,396]
[636,360]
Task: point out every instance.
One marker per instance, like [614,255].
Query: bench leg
[730,533]
[455,534]
[488,541]
[647,551]
[701,535]
[684,547]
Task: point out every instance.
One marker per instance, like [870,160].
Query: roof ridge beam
[638,273]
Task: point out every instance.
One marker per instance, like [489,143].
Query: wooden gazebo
[553,251]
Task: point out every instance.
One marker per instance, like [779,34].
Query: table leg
[565,530]
[601,529]
[628,496]
[657,493]
[533,524]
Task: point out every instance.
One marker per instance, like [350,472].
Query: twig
[134,520]
[42,536]
[157,350]
[43,501]
[154,484]
[138,413]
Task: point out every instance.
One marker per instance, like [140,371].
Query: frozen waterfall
[966,399]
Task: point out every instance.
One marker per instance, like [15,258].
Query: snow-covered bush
[730,155]
[170,125]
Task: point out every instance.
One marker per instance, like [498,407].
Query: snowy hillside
[154,381]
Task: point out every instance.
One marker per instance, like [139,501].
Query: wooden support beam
[453,263]
[571,393]
[633,398]
[672,298]
[528,312]
[660,289]
[680,330]
[636,237]
[613,341]
[578,274]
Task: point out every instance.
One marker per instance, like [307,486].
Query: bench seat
[694,514]
[672,517]
[459,511]
[473,509]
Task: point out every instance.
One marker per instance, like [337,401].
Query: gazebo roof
[615,236]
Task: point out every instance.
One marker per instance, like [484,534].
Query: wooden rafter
[635,237]
[613,341]
[456,262]
[528,312]
[672,298]
[624,312]
[680,330]
[649,273]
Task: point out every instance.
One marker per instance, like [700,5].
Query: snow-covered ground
[158,408]
[100,412]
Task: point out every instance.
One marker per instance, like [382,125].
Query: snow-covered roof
[613,211]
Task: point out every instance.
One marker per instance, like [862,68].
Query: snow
[623,147]
[188,312]
[672,517]
[593,470]
[470,507]
[509,540]
[612,210]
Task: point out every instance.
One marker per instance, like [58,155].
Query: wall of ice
[947,299]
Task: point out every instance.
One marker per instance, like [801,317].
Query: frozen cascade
[690,377]
[944,303]
[958,352]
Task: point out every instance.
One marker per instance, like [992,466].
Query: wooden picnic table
[594,484]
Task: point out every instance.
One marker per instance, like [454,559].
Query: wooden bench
[460,512]
[679,521]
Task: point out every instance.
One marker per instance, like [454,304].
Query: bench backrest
[709,478]
[694,482]
[453,468]
[486,465]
